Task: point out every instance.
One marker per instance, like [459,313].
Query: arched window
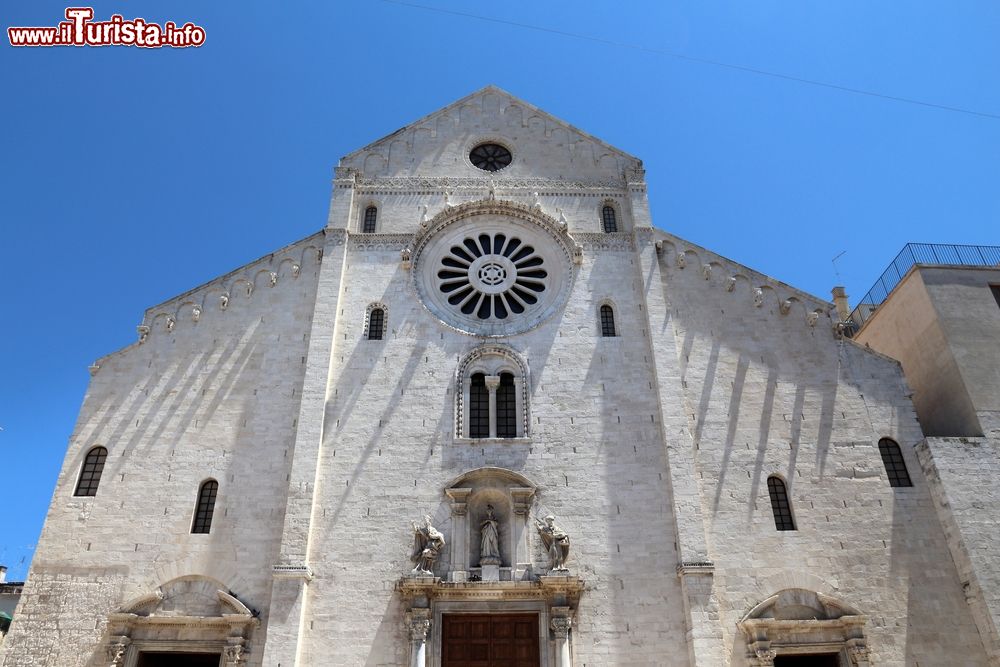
[90,474]
[607,321]
[479,407]
[371,215]
[779,504]
[608,219]
[506,407]
[205,508]
[491,397]
[376,324]
[895,466]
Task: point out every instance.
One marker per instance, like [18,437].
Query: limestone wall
[767,392]
[210,392]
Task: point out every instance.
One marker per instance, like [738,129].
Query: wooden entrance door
[489,640]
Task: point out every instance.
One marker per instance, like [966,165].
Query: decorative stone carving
[249,288]
[447,199]
[563,223]
[296,270]
[424,218]
[706,271]
[489,550]
[196,313]
[798,617]
[681,260]
[560,626]
[170,323]
[758,297]
[536,202]
[481,183]
[812,318]
[404,257]
[731,284]
[223,301]
[578,254]
[143,332]
[492,195]
[273,278]
[659,247]
[762,657]
[235,655]
[419,628]
[556,542]
[785,307]
[116,651]
[427,545]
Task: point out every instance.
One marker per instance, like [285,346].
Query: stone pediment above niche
[189,614]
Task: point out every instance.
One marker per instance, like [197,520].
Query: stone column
[459,533]
[492,382]
[560,624]
[520,560]
[419,625]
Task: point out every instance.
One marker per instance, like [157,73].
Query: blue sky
[128,176]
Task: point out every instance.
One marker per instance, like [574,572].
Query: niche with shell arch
[510,494]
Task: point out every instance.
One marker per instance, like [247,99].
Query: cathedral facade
[491,416]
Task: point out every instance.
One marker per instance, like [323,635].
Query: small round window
[490,157]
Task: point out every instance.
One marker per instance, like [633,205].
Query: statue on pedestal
[556,541]
[489,551]
[427,545]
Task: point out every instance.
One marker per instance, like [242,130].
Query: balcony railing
[921,253]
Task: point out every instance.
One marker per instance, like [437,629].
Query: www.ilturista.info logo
[80,30]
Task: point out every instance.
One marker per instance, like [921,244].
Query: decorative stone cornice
[292,572]
[704,567]
[378,242]
[612,241]
[450,183]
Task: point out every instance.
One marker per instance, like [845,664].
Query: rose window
[493,271]
[490,157]
[492,276]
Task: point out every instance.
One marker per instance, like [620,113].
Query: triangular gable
[479,95]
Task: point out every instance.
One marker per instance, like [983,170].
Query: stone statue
[424,218]
[493,191]
[447,199]
[556,542]
[427,545]
[489,551]
[536,201]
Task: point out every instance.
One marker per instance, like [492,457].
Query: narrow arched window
[205,508]
[479,407]
[376,324]
[371,215]
[607,321]
[90,474]
[608,218]
[506,407]
[895,466]
[780,506]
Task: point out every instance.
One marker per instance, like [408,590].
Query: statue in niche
[556,541]
[427,545]
[489,551]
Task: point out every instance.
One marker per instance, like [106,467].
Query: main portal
[489,640]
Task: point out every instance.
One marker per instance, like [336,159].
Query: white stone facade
[652,448]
